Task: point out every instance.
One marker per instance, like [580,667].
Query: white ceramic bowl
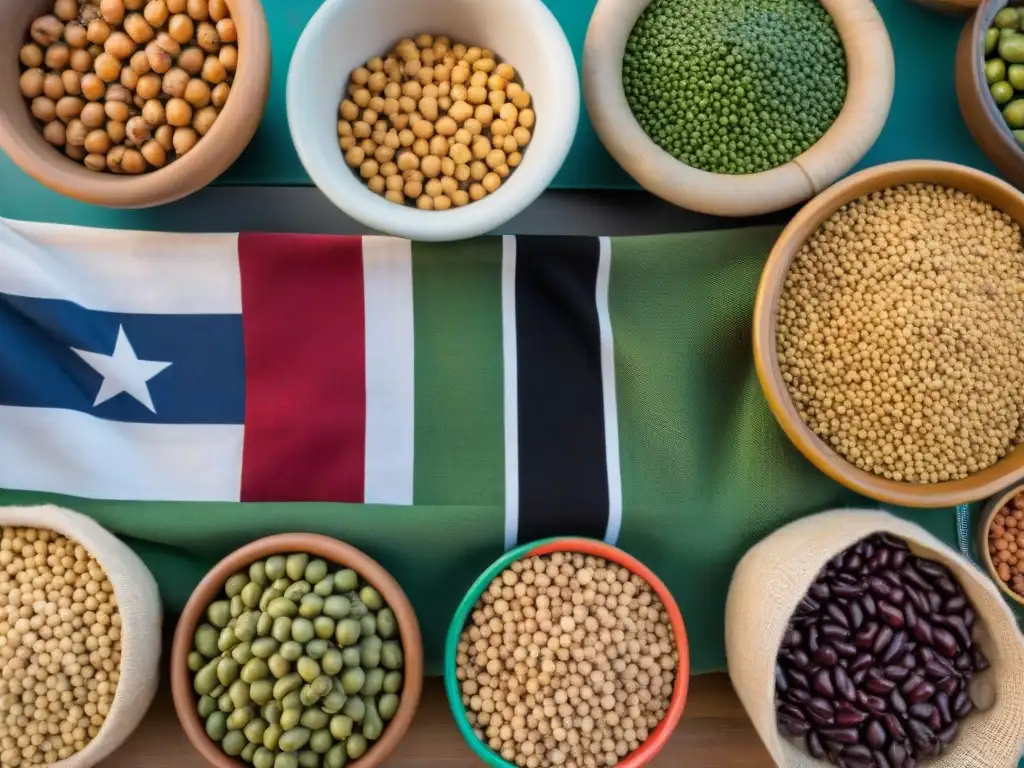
[343,34]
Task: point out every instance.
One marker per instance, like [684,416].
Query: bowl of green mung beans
[297,651]
[737,107]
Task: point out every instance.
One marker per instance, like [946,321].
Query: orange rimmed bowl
[661,734]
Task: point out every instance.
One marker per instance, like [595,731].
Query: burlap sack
[775,574]
[139,603]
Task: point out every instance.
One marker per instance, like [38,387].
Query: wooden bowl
[978,486]
[992,507]
[951,7]
[870,82]
[659,737]
[334,552]
[22,140]
[980,113]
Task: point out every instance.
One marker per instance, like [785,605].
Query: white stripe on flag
[611,411]
[120,271]
[73,453]
[510,354]
[390,370]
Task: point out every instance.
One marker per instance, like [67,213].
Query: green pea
[279,666]
[311,606]
[316,571]
[355,709]
[302,630]
[263,758]
[991,40]
[262,691]
[206,706]
[334,701]
[227,640]
[995,70]
[195,661]
[345,580]
[297,591]
[388,706]
[387,625]
[332,662]
[227,670]
[351,657]
[239,694]
[348,632]
[314,719]
[245,626]
[324,588]
[272,735]
[248,752]
[282,607]
[295,567]
[356,746]
[282,630]
[290,718]
[295,739]
[242,653]
[368,624]
[1011,49]
[1002,92]
[336,757]
[255,729]
[352,680]
[286,760]
[393,682]
[1007,17]
[272,712]
[337,607]
[206,640]
[268,597]
[217,726]
[1013,113]
[219,613]
[264,625]
[293,700]
[240,718]
[258,573]
[255,669]
[308,669]
[233,743]
[309,758]
[316,649]
[265,647]
[374,682]
[286,685]
[275,567]
[391,655]
[321,741]
[370,651]
[323,627]
[373,726]
[341,727]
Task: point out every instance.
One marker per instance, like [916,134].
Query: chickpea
[521,135]
[383,154]
[425,203]
[117,131]
[204,120]
[138,29]
[133,162]
[76,133]
[439,146]
[98,31]
[76,35]
[53,86]
[46,30]
[178,112]
[431,166]
[148,87]
[184,140]
[526,118]
[57,56]
[369,168]
[97,142]
[477,170]
[377,185]
[477,192]
[207,37]
[92,87]
[181,28]
[93,115]
[54,133]
[119,46]
[115,157]
[446,126]
[138,131]
[213,70]
[175,82]
[177,6]
[191,60]
[164,136]
[226,31]
[460,198]
[31,55]
[75,153]
[129,78]
[117,110]
[32,82]
[96,162]
[229,58]
[198,9]
[68,108]
[514,159]
[197,93]
[219,95]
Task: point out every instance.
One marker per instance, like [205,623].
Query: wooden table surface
[714,733]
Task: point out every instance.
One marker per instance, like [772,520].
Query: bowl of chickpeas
[130,103]
[433,119]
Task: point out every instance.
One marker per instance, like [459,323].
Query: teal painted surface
[925,121]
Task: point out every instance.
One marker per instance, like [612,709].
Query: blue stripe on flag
[39,365]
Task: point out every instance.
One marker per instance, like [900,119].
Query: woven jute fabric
[775,574]
[138,602]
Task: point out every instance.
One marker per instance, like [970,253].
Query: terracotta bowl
[993,506]
[983,118]
[870,82]
[950,7]
[660,735]
[336,553]
[978,486]
[22,140]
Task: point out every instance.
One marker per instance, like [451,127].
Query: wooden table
[715,731]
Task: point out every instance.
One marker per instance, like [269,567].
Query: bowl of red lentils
[1001,542]
[889,333]
[567,652]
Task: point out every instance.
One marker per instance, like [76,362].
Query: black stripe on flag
[563,473]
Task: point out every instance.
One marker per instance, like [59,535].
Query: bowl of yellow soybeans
[433,119]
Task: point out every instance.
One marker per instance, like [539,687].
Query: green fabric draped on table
[705,470]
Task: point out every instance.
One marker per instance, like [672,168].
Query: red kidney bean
[840,735]
[945,643]
[856,615]
[882,639]
[836,563]
[814,746]
[823,684]
[923,692]
[826,656]
[922,711]
[979,659]
[799,659]
[834,631]
[845,649]
[848,716]
[847,591]
[897,596]
[947,734]
[919,600]
[798,678]
[868,604]
[853,563]
[947,586]
[808,605]
[792,726]
[923,631]
[963,662]
[907,660]
[937,669]
[930,569]
[781,683]
[962,705]
[899,704]
[912,682]
[821,711]
[897,754]
[819,591]
[871,703]
[798,696]
[858,676]
[895,647]
[942,705]
[812,638]
[791,711]
[934,601]
[879,685]
[879,560]
[843,684]
[881,761]
[861,661]
[838,614]
[897,559]
[874,734]
[856,756]
[969,616]
[948,685]
[910,614]
[910,573]
[922,735]
[893,725]
[955,604]
[866,635]
[890,614]
[896,672]
[959,628]
[879,586]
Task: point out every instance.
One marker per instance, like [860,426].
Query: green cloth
[706,472]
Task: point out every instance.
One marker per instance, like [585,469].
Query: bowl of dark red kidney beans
[879,664]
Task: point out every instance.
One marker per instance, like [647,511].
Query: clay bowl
[983,118]
[992,507]
[950,7]
[22,140]
[336,553]
[978,486]
[660,735]
[870,82]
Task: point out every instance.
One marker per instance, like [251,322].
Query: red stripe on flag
[305,363]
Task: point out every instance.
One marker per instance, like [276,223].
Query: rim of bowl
[993,505]
[943,494]
[871,77]
[337,553]
[215,153]
[657,739]
[474,219]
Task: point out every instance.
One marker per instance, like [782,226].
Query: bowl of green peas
[297,651]
[990,83]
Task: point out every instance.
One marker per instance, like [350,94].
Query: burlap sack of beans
[138,602]
[773,577]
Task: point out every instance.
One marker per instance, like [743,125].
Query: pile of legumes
[434,123]
[568,660]
[900,333]
[735,86]
[128,86]
[878,665]
[60,647]
[1006,544]
[1004,67]
[297,666]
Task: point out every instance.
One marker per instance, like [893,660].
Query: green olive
[258,573]
[321,741]
[206,706]
[336,757]
[316,571]
[217,726]
[308,758]
[282,631]
[324,588]
[341,727]
[255,729]
[298,590]
[393,682]
[991,40]
[332,662]
[356,745]
[345,580]
[206,640]
[290,718]
[1014,113]
[1007,17]
[995,70]
[314,719]
[268,597]
[295,739]
[348,632]
[248,752]
[1011,49]
[1002,92]
[311,605]
[263,758]
[196,661]
[323,627]
[264,625]
[227,640]
[355,709]
[286,760]
[272,712]
[271,736]
[337,607]
[286,685]
[240,718]
[275,567]
[308,669]
[265,647]
[374,682]
[239,693]
[279,665]
[391,655]
[295,566]
[302,630]
[387,706]
[242,653]
[387,625]
[316,649]
[373,726]
[234,743]
[262,691]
